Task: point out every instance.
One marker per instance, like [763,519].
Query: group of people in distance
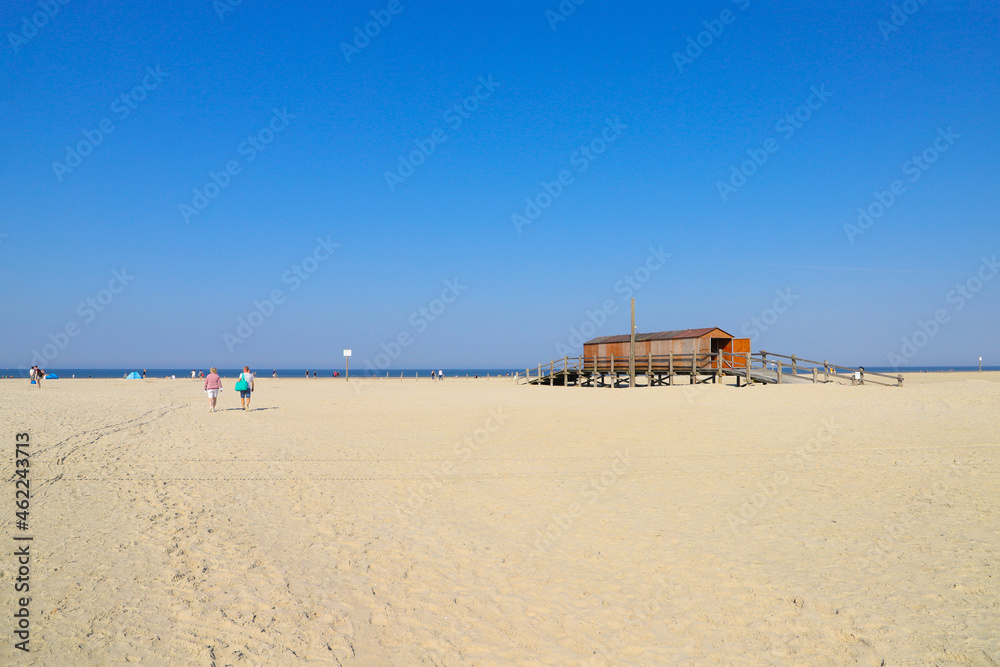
[213,385]
[36,374]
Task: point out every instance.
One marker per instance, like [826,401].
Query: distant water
[407,372]
[929,369]
[261,372]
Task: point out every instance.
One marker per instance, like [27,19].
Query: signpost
[980,364]
[347,364]
[631,350]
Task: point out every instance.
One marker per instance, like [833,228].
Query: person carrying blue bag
[245,385]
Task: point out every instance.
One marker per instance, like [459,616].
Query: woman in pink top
[213,384]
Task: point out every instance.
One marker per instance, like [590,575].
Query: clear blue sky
[664,121]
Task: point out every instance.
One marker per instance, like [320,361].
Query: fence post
[779,371]
[795,370]
[614,379]
[814,374]
[900,380]
[670,375]
[749,379]
[649,369]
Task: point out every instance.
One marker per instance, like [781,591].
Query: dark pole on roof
[631,349]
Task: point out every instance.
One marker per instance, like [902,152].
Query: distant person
[440,374]
[274,373]
[203,374]
[193,375]
[314,373]
[245,385]
[143,373]
[213,385]
[307,373]
[37,374]
[433,375]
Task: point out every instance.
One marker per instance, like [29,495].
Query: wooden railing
[740,364]
[854,376]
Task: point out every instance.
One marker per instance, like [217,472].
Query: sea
[261,372]
[78,373]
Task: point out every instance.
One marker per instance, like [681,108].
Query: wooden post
[779,371]
[795,371]
[826,371]
[565,371]
[539,374]
[814,374]
[595,371]
[552,365]
[631,349]
[649,370]
[749,361]
[900,380]
[670,381]
[614,379]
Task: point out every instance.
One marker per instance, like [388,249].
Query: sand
[476,522]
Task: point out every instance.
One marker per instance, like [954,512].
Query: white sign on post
[347,353]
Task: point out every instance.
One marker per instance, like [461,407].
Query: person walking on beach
[246,380]
[37,374]
[143,373]
[213,385]
[440,374]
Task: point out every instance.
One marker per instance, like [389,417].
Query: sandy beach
[475,522]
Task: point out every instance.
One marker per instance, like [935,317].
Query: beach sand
[475,522]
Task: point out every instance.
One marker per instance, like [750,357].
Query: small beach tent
[133,376]
[51,376]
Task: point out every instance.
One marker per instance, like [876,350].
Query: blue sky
[640,121]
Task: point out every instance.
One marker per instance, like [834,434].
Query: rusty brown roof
[659,335]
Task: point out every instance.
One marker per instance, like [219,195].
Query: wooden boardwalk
[652,371]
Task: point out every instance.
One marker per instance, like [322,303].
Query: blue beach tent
[133,376]
[51,376]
